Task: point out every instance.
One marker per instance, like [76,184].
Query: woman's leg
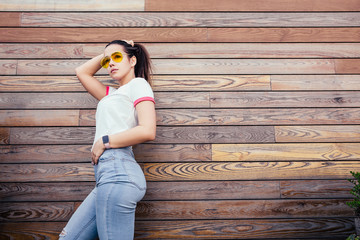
[82,224]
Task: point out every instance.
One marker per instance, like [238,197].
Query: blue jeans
[108,212]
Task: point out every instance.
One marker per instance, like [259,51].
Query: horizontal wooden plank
[167,135]
[189,19]
[315,189]
[249,170]
[68,191]
[68,5]
[191,83]
[94,35]
[315,82]
[347,66]
[350,133]
[176,210]
[329,228]
[187,50]
[39,118]
[284,99]
[196,171]
[195,66]
[256,5]
[10,19]
[8,67]
[4,135]
[175,83]
[82,153]
[309,35]
[86,101]
[267,116]
[285,152]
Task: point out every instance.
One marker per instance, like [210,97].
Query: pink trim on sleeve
[107,90]
[143,99]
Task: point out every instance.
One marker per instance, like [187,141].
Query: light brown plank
[167,135]
[303,35]
[93,35]
[39,118]
[284,99]
[68,191]
[347,66]
[160,83]
[194,66]
[256,5]
[248,170]
[286,152]
[315,189]
[4,135]
[273,116]
[189,19]
[188,50]
[68,5]
[315,82]
[331,133]
[8,67]
[10,19]
[330,228]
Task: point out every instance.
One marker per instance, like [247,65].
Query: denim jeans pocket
[135,173]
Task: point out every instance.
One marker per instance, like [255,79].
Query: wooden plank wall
[258,112]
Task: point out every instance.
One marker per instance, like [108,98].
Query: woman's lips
[113,70]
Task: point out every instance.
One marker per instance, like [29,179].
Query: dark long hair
[143,67]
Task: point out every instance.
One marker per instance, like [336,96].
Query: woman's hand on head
[97,150]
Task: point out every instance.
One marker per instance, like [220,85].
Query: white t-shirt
[116,111]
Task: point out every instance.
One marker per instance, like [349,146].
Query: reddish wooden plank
[10,19]
[189,19]
[93,35]
[347,66]
[315,82]
[256,5]
[285,152]
[331,133]
[284,99]
[315,35]
[39,118]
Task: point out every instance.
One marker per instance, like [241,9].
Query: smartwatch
[106,141]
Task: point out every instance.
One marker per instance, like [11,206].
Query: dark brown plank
[284,99]
[257,5]
[189,19]
[58,191]
[285,152]
[39,118]
[249,170]
[167,135]
[4,135]
[315,82]
[347,66]
[93,35]
[82,153]
[329,228]
[315,189]
[303,35]
[10,19]
[329,133]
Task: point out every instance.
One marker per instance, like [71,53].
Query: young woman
[124,117]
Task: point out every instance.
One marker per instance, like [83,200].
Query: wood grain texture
[39,118]
[284,99]
[8,67]
[68,5]
[4,135]
[189,19]
[286,152]
[257,5]
[334,228]
[331,133]
[347,66]
[187,50]
[249,170]
[315,82]
[10,19]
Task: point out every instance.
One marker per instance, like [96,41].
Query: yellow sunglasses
[116,57]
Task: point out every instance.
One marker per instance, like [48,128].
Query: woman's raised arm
[85,74]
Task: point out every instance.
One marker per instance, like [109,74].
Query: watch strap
[106,142]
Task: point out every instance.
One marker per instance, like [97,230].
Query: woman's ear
[133,61]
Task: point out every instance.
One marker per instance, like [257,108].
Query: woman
[124,117]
